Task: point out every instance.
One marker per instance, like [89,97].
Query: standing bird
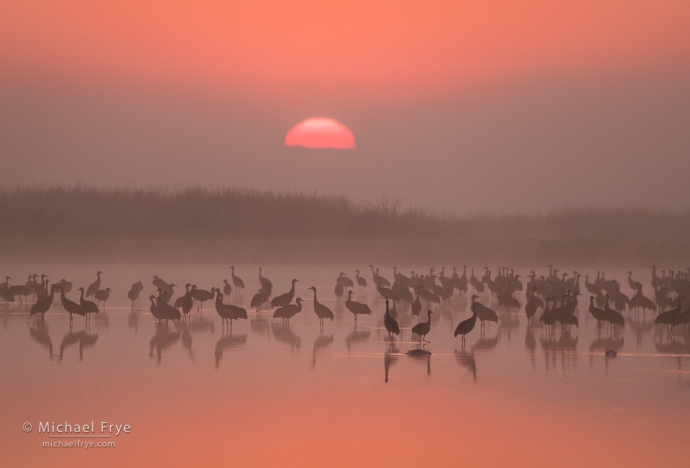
[227,289]
[531,305]
[417,304]
[156,311]
[160,284]
[467,326]
[201,295]
[102,295]
[95,286]
[186,302]
[264,282]
[229,312]
[70,306]
[597,313]
[321,311]
[670,317]
[284,299]
[345,281]
[358,308]
[423,328]
[88,306]
[66,285]
[41,307]
[361,282]
[133,295]
[236,280]
[484,314]
[289,311]
[339,290]
[390,323]
[612,316]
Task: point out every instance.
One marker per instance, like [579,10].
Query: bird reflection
[200,324]
[466,359]
[674,346]
[82,337]
[640,328]
[390,357]
[282,332]
[320,343]
[133,320]
[422,356]
[229,341]
[259,325]
[186,336]
[161,340]
[357,336]
[102,320]
[530,344]
[39,333]
[484,344]
[564,346]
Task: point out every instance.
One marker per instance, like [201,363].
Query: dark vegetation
[83,223]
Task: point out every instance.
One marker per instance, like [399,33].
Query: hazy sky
[456,106]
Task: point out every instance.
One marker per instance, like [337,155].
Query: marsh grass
[84,223]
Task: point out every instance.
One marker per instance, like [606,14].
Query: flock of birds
[554,294]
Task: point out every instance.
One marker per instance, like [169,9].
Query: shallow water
[266,393]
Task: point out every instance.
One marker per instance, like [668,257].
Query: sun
[320,133]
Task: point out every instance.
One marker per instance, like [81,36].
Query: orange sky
[397,49]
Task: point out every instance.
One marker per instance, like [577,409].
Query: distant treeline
[83,223]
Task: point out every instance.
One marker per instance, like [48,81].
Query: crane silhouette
[390,323]
[423,328]
[357,308]
[95,286]
[321,311]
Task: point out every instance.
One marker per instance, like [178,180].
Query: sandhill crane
[289,311]
[201,296]
[165,296]
[339,289]
[6,285]
[612,316]
[417,304]
[379,280]
[423,328]
[65,285]
[42,287]
[597,313]
[285,299]
[227,289]
[236,280]
[260,298]
[345,281]
[634,285]
[88,306]
[70,306]
[591,287]
[102,295]
[186,302]
[467,326]
[156,310]
[394,311]
[390,323]
[429,297]
[670,317]
[547,317]
[531,305]
[386,293]
[229,312]
[484,314]
[42,306]
[321,311]
[361,282]
[167,311]
[160,284]
[264,282]
[95,286]
[639,301]
[133,295]
[357,308]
